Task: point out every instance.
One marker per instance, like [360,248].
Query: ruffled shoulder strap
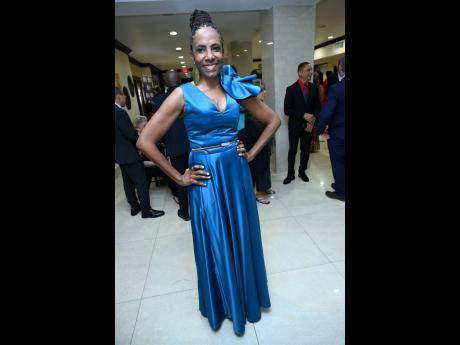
[237,87]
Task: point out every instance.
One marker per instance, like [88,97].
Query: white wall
[140,71]
[243,62]
[331,61]
[267,58]
[293,44]
[329,50]
[266,52]
[256,46]
[135,70]
[123,68]
[146,71]
[227,53]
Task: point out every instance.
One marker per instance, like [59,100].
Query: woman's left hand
[242,151]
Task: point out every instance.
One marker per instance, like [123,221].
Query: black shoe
[186,218]
[333,185]
[135,210]
[333,195]
[152,213]
[304,177]
[288,180]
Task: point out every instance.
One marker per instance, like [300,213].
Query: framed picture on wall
[117,81]
[148,86]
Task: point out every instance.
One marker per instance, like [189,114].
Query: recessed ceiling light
[178,48]
[184,66]
[182,62]
[269,43]
[173,33]
[238,55]
[172,69]
[260,41]
[180,57]
[245,50]
[330,37]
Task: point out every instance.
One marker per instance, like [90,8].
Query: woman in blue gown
[232,280]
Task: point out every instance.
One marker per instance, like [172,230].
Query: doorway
[139,94]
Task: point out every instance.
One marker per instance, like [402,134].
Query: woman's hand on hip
[191,176]
[242,151]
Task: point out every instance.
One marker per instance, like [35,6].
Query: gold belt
[214,146]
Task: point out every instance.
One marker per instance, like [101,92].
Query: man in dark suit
[131,164]
[302,105]
[333,115]
[177,144]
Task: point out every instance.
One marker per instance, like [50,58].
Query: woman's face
[315,76]
[207,52]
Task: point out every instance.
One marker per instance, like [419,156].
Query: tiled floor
[303,234]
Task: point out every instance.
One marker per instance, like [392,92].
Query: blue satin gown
[232,280]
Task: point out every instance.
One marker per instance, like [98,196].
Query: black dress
[260,165]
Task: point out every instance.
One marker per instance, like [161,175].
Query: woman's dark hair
[320,77]
[200,19]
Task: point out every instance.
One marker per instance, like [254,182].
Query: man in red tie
[302,105]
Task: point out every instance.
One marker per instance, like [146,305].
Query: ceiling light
[238,55]
[172,69]
[178,48]
[330,37]
[184,66]
[180,57]
[245,50]
[260,41]
[269,43]
[173,33]
[182,62]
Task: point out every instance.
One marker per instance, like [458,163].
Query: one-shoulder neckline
[210,100]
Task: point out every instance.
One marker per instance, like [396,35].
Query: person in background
[151,170]
[131,165]
[301,105]
[150,110]
[318,82]
[260,166]
[333,115]
[176,144]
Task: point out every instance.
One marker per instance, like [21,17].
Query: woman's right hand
[191,176]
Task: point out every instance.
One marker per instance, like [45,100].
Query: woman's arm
[322,94]
[264,114]
[156,128]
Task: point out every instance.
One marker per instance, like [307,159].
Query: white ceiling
[144,26]
[149,7]
[331,14]
[148,36]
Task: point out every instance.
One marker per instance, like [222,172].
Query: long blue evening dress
[232,281]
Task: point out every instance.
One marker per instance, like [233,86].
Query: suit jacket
[176,140]
[333,113]
[295,106]
[125,139]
